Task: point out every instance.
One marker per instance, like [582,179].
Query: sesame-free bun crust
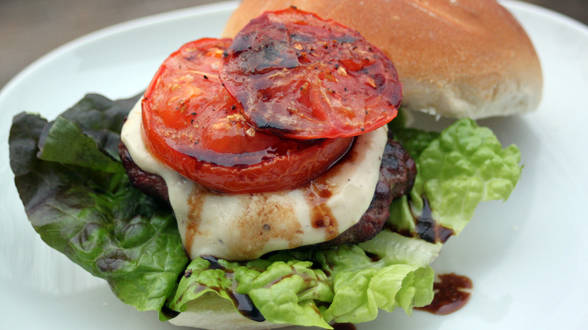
[455,58]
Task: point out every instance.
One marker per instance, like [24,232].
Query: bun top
[455,58]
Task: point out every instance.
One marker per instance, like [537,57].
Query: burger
[269,178]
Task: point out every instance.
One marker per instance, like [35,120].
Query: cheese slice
[246,226]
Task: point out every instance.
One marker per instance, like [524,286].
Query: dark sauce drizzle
[426,227]
[214,264]
[168,312]
[373,257]
[246,307]
[318,192]
[244,304]
[317,195]
[449,294]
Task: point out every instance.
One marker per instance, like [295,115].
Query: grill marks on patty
[397,173]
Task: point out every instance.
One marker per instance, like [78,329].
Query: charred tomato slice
[303,77]
[196,127]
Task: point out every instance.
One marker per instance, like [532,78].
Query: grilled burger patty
[397,173]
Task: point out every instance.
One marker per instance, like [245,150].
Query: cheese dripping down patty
[246,226]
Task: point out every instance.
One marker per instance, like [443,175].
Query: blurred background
[31,28]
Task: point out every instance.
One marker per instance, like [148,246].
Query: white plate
[528,257]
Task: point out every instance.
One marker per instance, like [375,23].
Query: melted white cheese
[246,226]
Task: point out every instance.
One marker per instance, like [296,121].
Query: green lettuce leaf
[394,248]
[414,140]
[462,167]
[283,291]
[316,287]
[82,151]
[80,201]
[363,284]
[101,119]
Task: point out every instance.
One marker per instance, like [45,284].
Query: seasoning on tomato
[195,126]
[303,77]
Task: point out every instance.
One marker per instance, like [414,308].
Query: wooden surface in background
[31,28]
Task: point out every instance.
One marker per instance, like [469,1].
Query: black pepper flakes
[188,273]
[205,77]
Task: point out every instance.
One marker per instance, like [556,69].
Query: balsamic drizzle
[244,304]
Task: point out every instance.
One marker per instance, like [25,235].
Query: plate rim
[546,13]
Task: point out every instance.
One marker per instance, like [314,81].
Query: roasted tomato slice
[196,127]
[303,77]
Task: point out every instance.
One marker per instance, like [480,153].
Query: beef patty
[397,173]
